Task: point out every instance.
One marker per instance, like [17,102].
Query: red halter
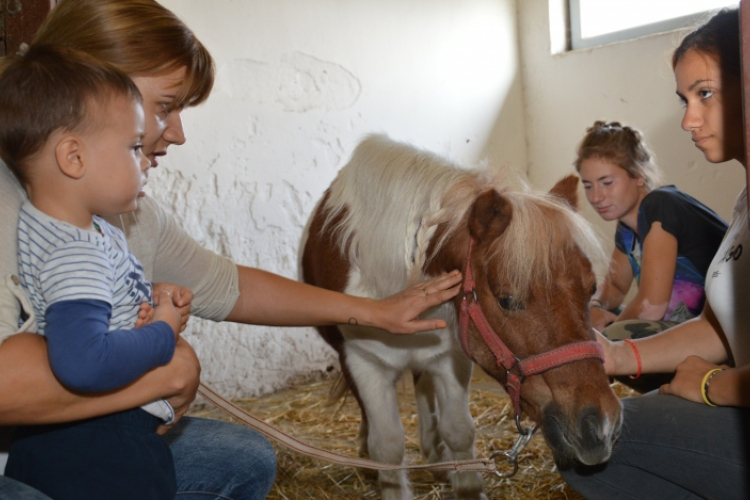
[516,369]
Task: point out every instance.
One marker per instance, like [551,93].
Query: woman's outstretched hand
[399,313]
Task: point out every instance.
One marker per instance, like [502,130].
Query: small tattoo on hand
[353,321]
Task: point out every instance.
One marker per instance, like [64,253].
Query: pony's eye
[509,303]
[593,290]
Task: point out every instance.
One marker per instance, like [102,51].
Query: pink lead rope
[476,465]
[516,369]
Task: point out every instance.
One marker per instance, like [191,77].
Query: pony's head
[533,280]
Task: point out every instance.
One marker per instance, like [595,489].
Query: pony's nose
[595,437]
[590,429]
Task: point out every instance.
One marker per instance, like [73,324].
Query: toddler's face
[117,169]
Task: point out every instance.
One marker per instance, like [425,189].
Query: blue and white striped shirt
[59,262]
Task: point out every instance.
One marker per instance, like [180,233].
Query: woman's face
[610,190]
[713,108]
[163,121]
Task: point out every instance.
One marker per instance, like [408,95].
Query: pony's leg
[452,376]
[363,425]
[370,474]
[431,444]
[345,384]
[376,386]
[363,434]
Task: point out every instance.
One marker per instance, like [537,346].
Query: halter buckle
[473,293]
[513,371]
[511,457]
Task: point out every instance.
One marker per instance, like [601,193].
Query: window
[598,22]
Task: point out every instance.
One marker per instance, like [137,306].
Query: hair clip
[23,49]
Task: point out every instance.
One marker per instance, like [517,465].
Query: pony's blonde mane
[396,196]
[542,227]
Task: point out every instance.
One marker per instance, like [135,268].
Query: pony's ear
[567,189]
[490,216]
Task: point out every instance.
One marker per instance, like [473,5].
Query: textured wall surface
[298,85]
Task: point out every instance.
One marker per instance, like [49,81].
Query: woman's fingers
[688,379]
[399,313]
[438,284]
[435,298]
[421,325]
[183,297]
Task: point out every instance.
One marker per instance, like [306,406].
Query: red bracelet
[637,359]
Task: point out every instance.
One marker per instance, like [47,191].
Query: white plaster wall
[631,82]
[299,83]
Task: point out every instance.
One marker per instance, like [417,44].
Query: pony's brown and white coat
[395,215]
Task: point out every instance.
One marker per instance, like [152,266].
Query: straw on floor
[307,413]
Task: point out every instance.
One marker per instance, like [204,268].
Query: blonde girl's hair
[622,145]
[139,37]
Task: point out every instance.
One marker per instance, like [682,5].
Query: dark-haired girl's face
[713,107]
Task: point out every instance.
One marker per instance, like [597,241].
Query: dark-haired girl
[693,439]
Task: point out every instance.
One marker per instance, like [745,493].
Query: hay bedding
[306,413]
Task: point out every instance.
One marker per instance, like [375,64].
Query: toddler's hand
[166,311]
[145,315]
[181,298]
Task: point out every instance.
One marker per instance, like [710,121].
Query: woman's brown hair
[139,37]
[623,146]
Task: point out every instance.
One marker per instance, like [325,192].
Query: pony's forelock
[541,226]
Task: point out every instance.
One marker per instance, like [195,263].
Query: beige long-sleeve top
[167,253]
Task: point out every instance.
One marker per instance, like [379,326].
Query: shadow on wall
[716,185]
[509,130]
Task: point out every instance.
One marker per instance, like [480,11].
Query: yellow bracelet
[706,382]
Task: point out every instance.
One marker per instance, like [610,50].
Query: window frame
[578,43]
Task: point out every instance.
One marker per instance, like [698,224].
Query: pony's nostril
[590,429]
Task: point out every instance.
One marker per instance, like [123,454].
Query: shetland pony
[395,215]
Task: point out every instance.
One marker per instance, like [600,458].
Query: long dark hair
[719,37]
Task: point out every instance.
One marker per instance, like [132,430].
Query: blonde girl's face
[713,108]
[163,120]
[610,190]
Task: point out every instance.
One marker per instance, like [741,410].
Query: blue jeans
[213,461]
[671,448]
[220,461]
